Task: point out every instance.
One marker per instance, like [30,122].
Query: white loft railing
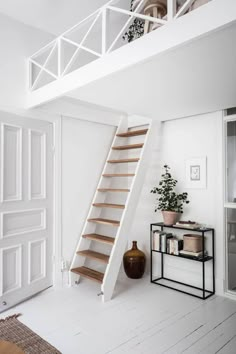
[95,36]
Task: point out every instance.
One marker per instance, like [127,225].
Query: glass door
[230,202]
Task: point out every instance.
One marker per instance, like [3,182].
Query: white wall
[18,42]
[85,146]
[52,16]
[70,107]
[182,139]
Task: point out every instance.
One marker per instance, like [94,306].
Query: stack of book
[188,224]
[174,245]
[193,255]
[166,243]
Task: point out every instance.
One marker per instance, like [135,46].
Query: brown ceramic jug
[134,262]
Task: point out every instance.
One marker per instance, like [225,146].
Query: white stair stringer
[116,257]
[93,212]
[122,231]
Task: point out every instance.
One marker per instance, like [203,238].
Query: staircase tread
[123,160]
[133,133]
[96,255]
[128,147]
[113,190]
[118,174]
[100,238]
[89,273]
[109,205]
[105,221]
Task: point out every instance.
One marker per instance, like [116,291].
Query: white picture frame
[196,172]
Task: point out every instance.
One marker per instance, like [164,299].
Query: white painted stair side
[108,280]
[89,228]
[126,221]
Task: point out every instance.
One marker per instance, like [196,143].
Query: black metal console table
[206,293]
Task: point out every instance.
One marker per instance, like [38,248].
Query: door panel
[11,260]
[37,260]
[21,222]
[37,169]
[11,166]
[26,208]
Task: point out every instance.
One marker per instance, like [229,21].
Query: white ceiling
[192,79]
[53,16]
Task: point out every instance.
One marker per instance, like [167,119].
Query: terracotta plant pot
[134,262]
[170,217]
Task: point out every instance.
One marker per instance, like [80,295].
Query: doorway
[230,201]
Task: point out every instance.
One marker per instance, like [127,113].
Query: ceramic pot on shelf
[134,262]
[170,217]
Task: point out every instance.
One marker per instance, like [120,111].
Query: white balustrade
[97,35]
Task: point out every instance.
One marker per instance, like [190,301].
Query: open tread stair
[128,147]
[100,238]
[100,216]
[113,190]
[124,160]
[132,133]
[89,273]
[95,255]
[105,221]
[108,205]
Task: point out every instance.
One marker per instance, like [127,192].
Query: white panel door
[26,208]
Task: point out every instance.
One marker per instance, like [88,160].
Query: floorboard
[142,318]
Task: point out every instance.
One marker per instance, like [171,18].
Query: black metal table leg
[213,260]
[162,265]
[203,266]
[151,252]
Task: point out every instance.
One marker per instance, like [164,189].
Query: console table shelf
[204,232]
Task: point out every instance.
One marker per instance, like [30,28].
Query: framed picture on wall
[196,172]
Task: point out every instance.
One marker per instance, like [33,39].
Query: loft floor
[144,318]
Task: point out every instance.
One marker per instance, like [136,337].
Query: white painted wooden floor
[142,318]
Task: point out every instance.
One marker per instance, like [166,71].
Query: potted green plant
[136,29]
[169,202]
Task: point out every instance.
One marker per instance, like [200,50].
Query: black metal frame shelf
[205,292]
[205,259]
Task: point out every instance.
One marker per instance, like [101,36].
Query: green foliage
[168,199]
[136,29]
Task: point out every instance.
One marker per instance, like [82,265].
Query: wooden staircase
[111,211]
[123,160]
[109,205]
[100,238]
[89,273]
[105,221]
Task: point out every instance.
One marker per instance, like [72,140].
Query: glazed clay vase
[170,217]
[134,262]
